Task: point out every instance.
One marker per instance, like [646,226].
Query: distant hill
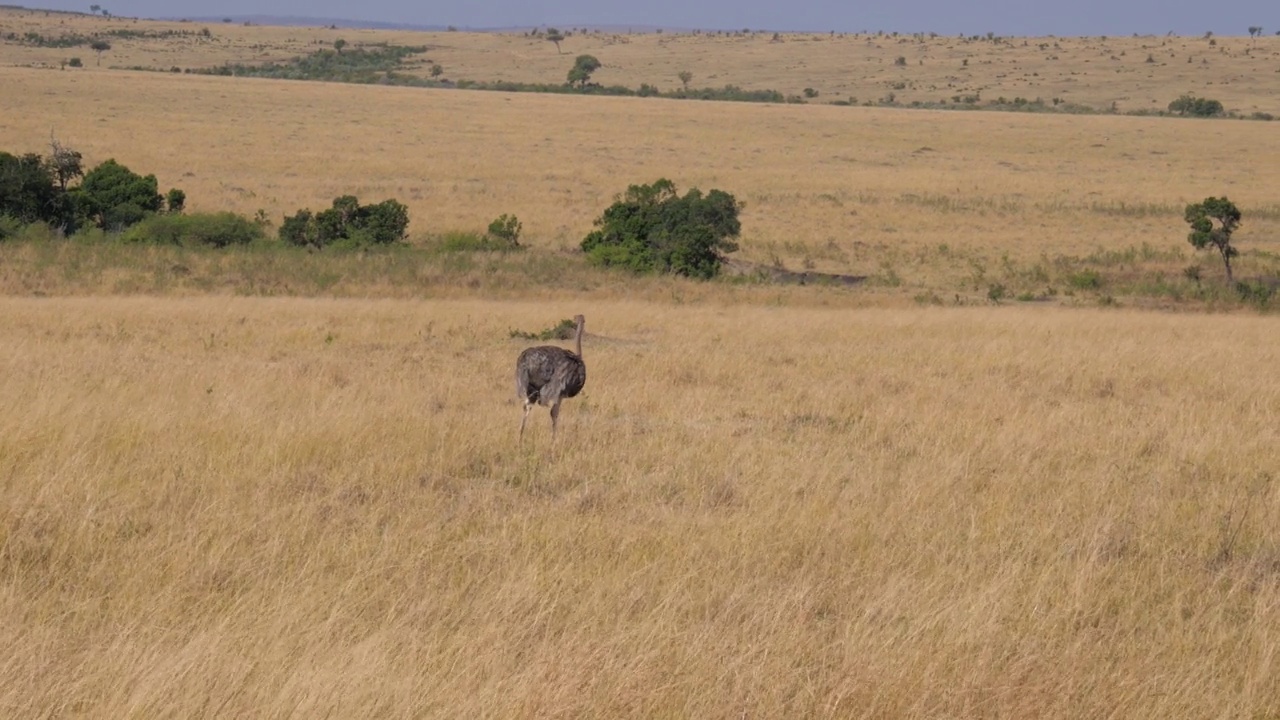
[299,21]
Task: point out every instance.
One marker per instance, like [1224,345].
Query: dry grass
[254,507]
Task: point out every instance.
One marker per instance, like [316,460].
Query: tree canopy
[1205,233]
[652,228]
[583,66]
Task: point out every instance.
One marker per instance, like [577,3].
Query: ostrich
[547,374]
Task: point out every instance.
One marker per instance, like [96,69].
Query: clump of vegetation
[506,229]
[563,330]
[36,189]
[1196,106]
[217,230]
[1087,279]
[347,223]
[652,229]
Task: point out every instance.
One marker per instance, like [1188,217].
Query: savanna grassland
[296,507]
[270,483]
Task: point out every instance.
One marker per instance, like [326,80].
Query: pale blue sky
[1003,17]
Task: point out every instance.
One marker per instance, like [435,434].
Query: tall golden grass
[229,507]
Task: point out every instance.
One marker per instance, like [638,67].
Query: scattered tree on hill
[339,44]
[652,229]
[436,70]
[685,77]
[93,9]
[99,46]
[1212,223]
[1255,31]
[582,68]
[555,36]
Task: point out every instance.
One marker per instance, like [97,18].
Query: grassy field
[267,482]
[926,197]
[267,507]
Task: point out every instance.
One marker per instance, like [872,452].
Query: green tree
[339,44]
[555,36]
[347,222]
[582,68]
[685,77]
[1212,223]
[64,164]
[1196,106]
[652,228]
[114,197]
[99,46]
[28,191]
[437,70]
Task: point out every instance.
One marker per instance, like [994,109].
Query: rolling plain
[266,483]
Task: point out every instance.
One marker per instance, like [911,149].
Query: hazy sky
[1003,17]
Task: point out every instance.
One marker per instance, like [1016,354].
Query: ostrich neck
[577,341]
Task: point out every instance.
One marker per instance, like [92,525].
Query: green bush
[652,229]
[113,197]
[1196,106]
[1258,292]
[1085,280]
[217,230]
[10,227]
[506,229]
[563,330]
[347,223]
[462,241]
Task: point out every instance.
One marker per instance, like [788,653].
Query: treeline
[112,201]
[368,64]
[383,65]
[650,229]
[69,40]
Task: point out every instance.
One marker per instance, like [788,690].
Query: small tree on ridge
[582,68]
[1204,232]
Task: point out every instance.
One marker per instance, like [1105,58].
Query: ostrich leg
[527,406]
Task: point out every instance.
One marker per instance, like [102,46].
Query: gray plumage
[547,374]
